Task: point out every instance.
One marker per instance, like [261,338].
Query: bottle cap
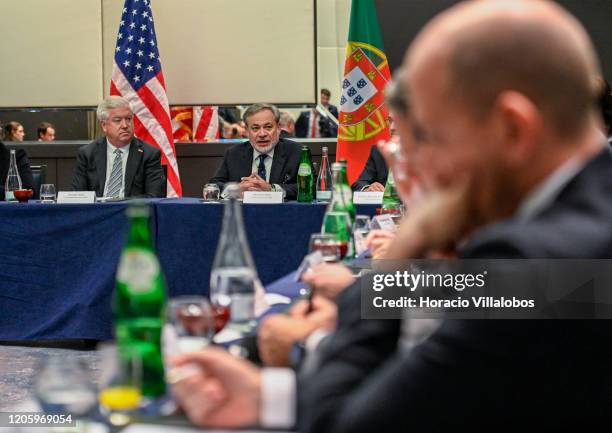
[138,209]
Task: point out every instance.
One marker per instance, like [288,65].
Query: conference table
[58,261]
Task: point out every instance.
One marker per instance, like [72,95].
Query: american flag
[137,76]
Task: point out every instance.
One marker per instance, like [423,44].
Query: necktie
[261,169]
[114,182]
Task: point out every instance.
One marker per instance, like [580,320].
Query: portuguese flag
[363,113]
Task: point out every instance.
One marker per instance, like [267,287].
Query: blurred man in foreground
[118,165]
[522,167]
[265,162]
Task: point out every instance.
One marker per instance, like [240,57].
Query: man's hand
[279,332]
[226,393]
[329,280]
[255,183]
[438,223]
[379,241]
[375,187]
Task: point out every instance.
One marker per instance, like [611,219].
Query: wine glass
[327,244]
[232,293]
[338,224]
[193,322]
[63,385]
[47,193]
[120,393]
[211,192]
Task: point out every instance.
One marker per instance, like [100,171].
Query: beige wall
[217,52]
[50,53]
[332,32]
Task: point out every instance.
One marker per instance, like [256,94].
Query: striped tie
[114,182]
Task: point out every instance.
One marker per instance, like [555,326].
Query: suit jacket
[509,375]
[143,172]
[238,163]
[23,167]
[327,128]
[375,170]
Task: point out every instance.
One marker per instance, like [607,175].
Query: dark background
[400,21]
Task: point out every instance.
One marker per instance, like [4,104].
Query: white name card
[76,197]
[383,222]
[370,197]
[262,197]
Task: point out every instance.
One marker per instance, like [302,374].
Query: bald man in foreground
[503,108]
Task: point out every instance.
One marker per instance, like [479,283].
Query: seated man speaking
[118,165]
[265,162]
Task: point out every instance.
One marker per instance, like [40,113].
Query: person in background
[265,162]
[314,124]
[46,132]
[287,125]
[13,131]
[23,167]
[118,165]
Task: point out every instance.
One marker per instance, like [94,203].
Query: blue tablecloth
[58,262]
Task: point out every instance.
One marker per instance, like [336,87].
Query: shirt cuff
[276,187]
[278,398]
[314,339]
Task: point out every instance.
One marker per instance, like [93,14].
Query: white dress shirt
[110,160]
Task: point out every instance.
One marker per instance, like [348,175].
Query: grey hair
[256,108]
[286,118]
[395,95]
[108,103]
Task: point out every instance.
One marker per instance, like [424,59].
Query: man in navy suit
[517,170]
[265,162]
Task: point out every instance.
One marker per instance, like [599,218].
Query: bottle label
[137,270]
[9,196]
[304,170]
[324,195]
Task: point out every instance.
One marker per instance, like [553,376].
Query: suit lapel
[134,158]
[278,163]
[100,161]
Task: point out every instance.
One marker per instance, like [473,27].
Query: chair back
[39,175]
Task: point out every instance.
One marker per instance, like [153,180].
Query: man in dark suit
[374,174]
[516,174]
[23,167]
[265,162]
[118,165]
[315,124]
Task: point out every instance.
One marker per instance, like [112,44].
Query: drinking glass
[327,244]
[211,192]
[361,228]
[47,193]
[120,383]
[63,385]
[193,321]
[338,224]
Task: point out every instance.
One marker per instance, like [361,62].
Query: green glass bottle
[304,177]
[337,219]
[391,199]
[139,302]
[348,193]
